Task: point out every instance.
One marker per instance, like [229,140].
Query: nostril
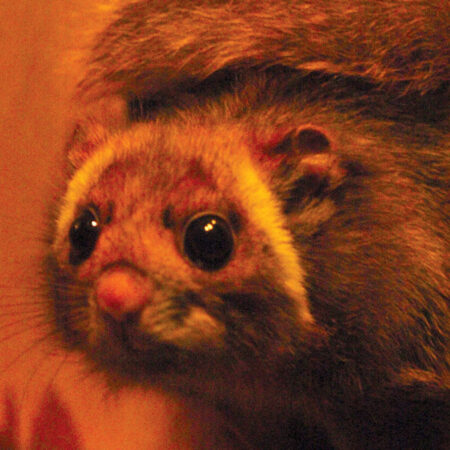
[121,291]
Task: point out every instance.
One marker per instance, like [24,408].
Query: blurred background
[47,400]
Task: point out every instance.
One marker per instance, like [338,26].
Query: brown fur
[342,214]
[395,43]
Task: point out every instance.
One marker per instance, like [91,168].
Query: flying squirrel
[257,216]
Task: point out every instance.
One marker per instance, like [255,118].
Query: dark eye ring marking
[167,218]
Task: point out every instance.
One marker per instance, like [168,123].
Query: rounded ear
[304,166]
[310,139]
[292,142]
[302,162]
[94,123]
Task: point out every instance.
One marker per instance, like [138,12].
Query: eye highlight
[208,241]
[83,236]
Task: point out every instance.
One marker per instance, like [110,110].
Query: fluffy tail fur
[156,45]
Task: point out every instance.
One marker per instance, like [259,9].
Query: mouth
[165,332]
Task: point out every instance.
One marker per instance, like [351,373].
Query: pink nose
[120,291]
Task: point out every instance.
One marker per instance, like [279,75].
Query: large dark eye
[208,241]
[83,236]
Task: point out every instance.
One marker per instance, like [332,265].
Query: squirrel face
[172,240]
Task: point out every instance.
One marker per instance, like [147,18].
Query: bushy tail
[156,45]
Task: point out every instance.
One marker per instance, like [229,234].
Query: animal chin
[188,328]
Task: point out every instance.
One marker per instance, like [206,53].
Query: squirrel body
[268,234]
